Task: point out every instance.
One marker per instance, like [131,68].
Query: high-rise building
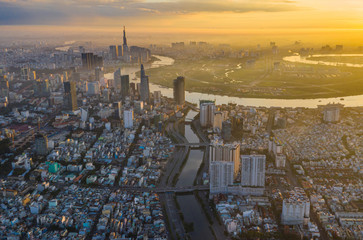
[90,61]
[98,74]
[139,106]
[113,52]
[207,111]
[217,121]
[33,75]
[65,76]
[221,174]
[226,130]
[253,170]
[41,88]
[117,106]
[280,160]
[93,88]
[4,87]
[179,90]
[295,207]
[41,144]
[144,86]
[25,74]
[128,118]
[106,95]
[70,96]
[237,123]
[84,114]
[133,89]
[117,79]
[125,48]
[157,97]
[119,51]
[219,152]
[125,86]
[87,60]
[332,112]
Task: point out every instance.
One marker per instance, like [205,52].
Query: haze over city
[181,119]
[150,21]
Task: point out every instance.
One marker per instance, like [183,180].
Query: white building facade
[128,118]
[253,170]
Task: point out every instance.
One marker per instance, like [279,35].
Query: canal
[189,205]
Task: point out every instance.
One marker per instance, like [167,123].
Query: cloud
[48,12]
[217,6]
[13,14]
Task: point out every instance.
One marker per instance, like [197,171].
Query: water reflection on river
[189,205]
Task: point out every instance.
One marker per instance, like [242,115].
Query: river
[189,205]
[300,59]
[194,97]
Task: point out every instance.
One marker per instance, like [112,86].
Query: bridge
[192,106]
[192,144]
[166,189]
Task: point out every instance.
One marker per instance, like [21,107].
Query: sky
[341,19]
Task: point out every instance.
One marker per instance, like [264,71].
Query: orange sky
[300,18]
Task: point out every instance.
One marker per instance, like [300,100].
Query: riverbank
[235,78]
[194,97]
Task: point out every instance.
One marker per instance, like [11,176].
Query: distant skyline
[328,18]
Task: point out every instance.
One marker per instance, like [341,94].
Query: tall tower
[179,90]
[117,79]
[124,38]
[207,110]
[220,152]
[125,48]
[125,86]
[253,170]
[128,118]
[144,86]
[70,96]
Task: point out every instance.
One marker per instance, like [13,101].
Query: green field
[259,78]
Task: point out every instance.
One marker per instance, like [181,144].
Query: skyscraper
[144,86]
[128,118]
[41,88]
[87,60]
[125,86]
[90,61]
[207,110]
[117,79]
[70,96]
[157,97]
[179,90]
[117,106]
[93,88]
[41,144]
[221,174]
[125,48]
[295,207]
[119,51]
[253,170]
[217,121]
[4,87]
[98,74]
[113,52]
[331,112]
[219,152]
